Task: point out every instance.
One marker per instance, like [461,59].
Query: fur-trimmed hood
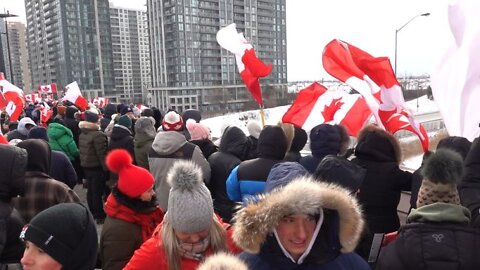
[376,144]
[254,222]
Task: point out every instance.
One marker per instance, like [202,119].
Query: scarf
[194,251]
[147,221]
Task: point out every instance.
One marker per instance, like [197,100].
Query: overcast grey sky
[367,24]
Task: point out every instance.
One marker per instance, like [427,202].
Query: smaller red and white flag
[46,112]
[73,94]
[251,68]
[141,107]
[100,102]
[316,105]
[29,98]
[12,100]
[48,89]
[49,98]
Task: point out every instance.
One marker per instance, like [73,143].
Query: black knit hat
[38,133]
[91,116]
[67,233]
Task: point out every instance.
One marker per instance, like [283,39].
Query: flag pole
[262,116]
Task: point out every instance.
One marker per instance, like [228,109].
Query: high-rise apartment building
[189,69]
[4,51]
[70,40]
[19,55]
[131,56]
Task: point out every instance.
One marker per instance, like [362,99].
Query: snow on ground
[274,115]
[425,105]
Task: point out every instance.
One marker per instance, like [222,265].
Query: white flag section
[456,81]
[73,94]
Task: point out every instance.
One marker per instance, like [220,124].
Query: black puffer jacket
[469,188]
[233,147]
[71,123]
[437,237]
[12,183]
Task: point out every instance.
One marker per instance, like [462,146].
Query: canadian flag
[46,112]
[375,80]
[49,89]
[33,98]
[12,100]
[73,94]
[49,98]
[249,66]
[100,102]
[315,105]
[141,107]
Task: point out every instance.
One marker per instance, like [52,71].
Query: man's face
[295,233]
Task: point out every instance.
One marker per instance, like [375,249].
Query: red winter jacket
[151,255]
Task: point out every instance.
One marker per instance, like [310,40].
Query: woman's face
[192,238]
[35,258]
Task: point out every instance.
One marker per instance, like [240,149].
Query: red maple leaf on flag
[330,110]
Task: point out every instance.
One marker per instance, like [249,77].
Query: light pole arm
[409,21]
[398,30]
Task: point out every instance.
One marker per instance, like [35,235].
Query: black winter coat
[122,138]
[469,188]
[232,149]
[12,183]
[207,147]
[379,153]
[428,245]
[71,123]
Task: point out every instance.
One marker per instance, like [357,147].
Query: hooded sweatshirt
[168,147]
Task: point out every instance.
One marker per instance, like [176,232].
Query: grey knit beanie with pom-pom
[441,173]
[223,261]
[190,205]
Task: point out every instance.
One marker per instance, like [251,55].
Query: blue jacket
[248,178]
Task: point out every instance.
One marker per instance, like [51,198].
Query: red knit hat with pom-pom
[133,181]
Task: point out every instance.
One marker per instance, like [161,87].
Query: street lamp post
[5,16]
[398,30]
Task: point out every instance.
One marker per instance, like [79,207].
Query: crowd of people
[169,196]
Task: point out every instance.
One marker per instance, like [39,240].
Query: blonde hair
[217,236]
